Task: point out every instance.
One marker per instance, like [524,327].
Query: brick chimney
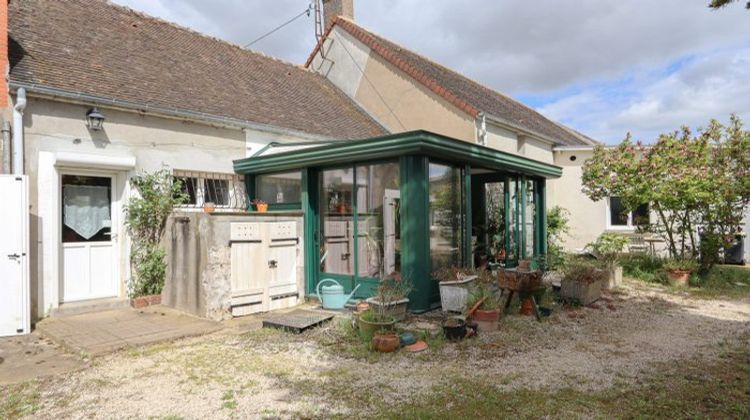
[333,8]
[4,64]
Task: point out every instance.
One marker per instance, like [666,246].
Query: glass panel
[86,209]
[189,186]
[515,198]
[530,218]
[641,215]
[495,234]
[445,216]
[378,197]
[279,188]
[617,214]
[336,221]
[216,191]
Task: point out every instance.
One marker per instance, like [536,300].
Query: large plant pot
[367,329]
[386,341]
[582,292]
[144,301]
[397,309]
[487,319]
[614,278]
[453,294]
[680,277]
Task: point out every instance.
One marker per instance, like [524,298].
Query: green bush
[648,268]
[156,194]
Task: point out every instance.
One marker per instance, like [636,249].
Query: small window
[224,190]
[619,218]
[282,188]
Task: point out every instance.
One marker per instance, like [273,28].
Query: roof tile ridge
[371,41]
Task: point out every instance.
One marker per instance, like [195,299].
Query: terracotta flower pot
[386,341]
[524,265]
[209,207]
[262,208]
[527,307]
[487,319]
[680,277]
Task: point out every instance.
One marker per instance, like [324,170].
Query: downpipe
[6,147]
[18,109]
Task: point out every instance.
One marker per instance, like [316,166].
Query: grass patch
[691,389]
[19,400]
[721,280]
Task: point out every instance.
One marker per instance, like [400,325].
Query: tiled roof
[101,49]
[464,93]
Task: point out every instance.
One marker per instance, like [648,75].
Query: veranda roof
[409,143]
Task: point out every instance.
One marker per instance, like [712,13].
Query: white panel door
[14,282]
[390,212]
[89,263]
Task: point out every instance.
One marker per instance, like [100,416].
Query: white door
[88,244]
[15,311]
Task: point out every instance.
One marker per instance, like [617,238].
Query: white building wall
[56,132]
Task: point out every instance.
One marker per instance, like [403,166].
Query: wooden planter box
[453,294]
[582,292]
[144,301]
[397,309]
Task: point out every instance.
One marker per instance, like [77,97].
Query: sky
[603,67]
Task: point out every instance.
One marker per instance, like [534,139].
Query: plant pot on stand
[614,277]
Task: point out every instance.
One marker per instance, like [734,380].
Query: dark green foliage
[157,193]
[718,4]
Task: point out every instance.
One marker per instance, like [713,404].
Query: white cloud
[712,86]
[613,55]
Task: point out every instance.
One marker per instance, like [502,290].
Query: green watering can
[333,297]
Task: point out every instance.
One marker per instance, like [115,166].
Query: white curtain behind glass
[87,209]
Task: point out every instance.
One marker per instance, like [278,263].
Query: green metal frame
[414,151]
[394,146]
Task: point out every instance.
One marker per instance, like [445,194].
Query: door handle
[14,256]
[272,263]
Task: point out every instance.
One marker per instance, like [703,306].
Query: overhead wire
[304,12]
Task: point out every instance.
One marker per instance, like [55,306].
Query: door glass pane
[530,218]
[495,214]
[515,198]
[337,221]
[378,196]
[445,216]
[86,209]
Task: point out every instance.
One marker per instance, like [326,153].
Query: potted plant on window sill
[607,248]
[455,283]
[679,270]
[392,296]
[582,281]
[209,207]
[260,205]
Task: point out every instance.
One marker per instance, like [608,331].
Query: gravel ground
[323,372]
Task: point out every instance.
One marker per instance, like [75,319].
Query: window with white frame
[619,218]
[223,190]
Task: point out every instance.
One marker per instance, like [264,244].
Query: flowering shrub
[698,185]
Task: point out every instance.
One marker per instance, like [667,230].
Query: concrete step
[87,306]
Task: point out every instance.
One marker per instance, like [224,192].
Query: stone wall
[199,279]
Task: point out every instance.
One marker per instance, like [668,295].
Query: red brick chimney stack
[333,8]
[4,63]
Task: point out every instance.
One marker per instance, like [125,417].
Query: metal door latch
[14,256]
[272,263]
